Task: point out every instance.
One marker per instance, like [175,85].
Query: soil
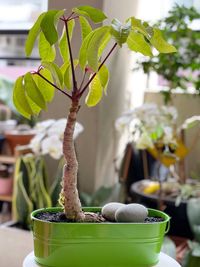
[60,217]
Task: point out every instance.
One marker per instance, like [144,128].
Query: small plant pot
[98,244]
[6,186]
[17,138]
[2,139]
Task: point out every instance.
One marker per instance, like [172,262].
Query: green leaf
[160,44]
[33,91]
[63,45]
[96,15]
[83,50]
[55,71]
[104,77]
[47,52]
[105,40]
[137,43]
[68,75]
[32,35]
[85,27]
[46,89]
[119,31]
[95,92]
[48,25]
[93,47]
[24,206]
[20,100]
[140,27]
[35,108]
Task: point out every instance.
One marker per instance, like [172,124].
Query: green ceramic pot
[98,244]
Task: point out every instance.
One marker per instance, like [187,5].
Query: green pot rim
[97,209]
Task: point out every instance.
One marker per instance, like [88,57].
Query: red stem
[53,85]
[90,80]
[76,17]
[71,59]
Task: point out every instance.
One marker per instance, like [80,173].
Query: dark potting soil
[60,217]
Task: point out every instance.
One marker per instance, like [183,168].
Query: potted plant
[154,131]
[6,180]
[84,240]
[179,70]
[5,122]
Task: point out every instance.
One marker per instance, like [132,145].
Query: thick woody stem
[72,205]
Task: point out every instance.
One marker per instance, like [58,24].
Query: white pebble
[108,211]
[131,213]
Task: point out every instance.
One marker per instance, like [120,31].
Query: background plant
[180,70]
[35,89]
[192,257]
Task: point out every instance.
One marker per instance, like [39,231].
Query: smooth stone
[131,213]
[108,211]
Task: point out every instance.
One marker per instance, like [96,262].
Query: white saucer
[165,261]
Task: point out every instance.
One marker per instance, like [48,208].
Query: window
[16,15]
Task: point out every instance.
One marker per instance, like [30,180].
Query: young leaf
[160,44]
[63,45]
[47,52]
[93,46]
[46,89]
[137,43]
[139,26]
[56,72]
[48,25]
[96,15]
[32,35]
[104,77]
[85,27]
[33,91]
[68,75]
[20,100]
[119,31]
[95,92]
[83,50]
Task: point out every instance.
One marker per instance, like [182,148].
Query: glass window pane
[20,14]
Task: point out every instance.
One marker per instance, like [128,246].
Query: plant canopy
[34,90]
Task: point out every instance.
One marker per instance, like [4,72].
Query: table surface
[165,261]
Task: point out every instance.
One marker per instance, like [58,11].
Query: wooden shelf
[7,159]
[6,198]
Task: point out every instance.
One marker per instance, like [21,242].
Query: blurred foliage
[182,68]
[169,247]
[192,257]
[102,196]
[32,190]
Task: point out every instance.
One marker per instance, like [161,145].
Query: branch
[76,17]
[83,79]
[71,58]
[90,80]
[60,90]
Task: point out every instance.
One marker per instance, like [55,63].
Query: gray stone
[108,211]
[131,213]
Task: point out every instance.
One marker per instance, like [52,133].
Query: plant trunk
[72,205]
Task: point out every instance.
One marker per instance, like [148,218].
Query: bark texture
[72,205]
